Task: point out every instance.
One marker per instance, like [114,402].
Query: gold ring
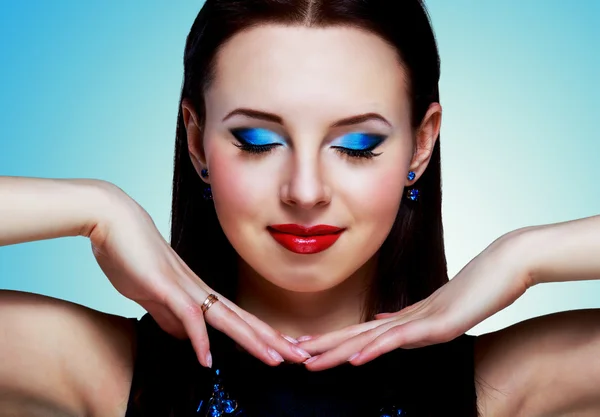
[210,300]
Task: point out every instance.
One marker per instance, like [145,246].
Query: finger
[236,326]
[329,341]
[346,350]
[413,334]
[227,321]
[256,337]
[192,317]
[286,345]
[165,319]
[384,315]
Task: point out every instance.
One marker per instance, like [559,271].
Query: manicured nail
[304,338]
[353,356]
[275,355]
[209,359]
[306,362]
[301,352]
[290,339]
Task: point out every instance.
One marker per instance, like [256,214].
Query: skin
[310,79]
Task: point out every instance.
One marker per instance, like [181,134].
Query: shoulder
[65,354]
[542,366]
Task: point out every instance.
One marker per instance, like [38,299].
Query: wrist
[524,246]
[102,201]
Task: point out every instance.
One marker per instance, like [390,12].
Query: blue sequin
[214,411]
[219,404]
[229,406]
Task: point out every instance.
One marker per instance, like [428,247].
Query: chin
[305,280]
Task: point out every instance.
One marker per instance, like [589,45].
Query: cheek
[374,196]
[242,195]
[230,183]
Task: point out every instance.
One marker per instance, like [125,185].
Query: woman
[269,146]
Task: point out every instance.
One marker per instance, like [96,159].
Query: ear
[194,137]
[426,136]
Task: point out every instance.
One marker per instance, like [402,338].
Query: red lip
[296,229]
[305,240]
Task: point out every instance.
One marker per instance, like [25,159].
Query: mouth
[305,240]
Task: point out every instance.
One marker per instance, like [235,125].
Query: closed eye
[260,141]
[256,140]
[358,145]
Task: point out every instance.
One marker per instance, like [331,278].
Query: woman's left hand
[491,281]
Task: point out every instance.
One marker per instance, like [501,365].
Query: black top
[168,381]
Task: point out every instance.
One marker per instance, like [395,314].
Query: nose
[305,187]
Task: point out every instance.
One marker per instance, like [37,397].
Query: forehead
[315,71]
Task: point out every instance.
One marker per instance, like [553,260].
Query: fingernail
[290,339]
[306,362]
[304,338]
[209,359]
[275,355]
[353,356]
[301,352]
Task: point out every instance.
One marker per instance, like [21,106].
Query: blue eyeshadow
[258,137]
[358,141]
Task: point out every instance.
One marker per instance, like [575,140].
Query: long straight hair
[411,262]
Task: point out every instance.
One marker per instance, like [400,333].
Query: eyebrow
[270,117]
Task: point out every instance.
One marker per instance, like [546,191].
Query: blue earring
[206,191]
[413,193]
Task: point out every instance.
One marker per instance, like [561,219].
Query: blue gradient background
[90,90]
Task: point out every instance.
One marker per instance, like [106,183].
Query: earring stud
[204,173]
[411,175]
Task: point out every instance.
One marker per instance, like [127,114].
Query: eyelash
[263,149]
[356,153]
[255,149]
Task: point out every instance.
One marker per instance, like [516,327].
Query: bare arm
[550,365]
[61,358]
[561,252]
[38,208]
[58,358]
[544,366]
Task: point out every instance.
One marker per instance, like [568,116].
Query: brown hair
[412,262]
[439,379]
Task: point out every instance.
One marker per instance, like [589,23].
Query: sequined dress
[433,381]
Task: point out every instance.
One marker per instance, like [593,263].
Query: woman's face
[307,127]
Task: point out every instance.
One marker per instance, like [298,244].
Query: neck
[304,313]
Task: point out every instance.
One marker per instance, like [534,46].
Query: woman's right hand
[143,267]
